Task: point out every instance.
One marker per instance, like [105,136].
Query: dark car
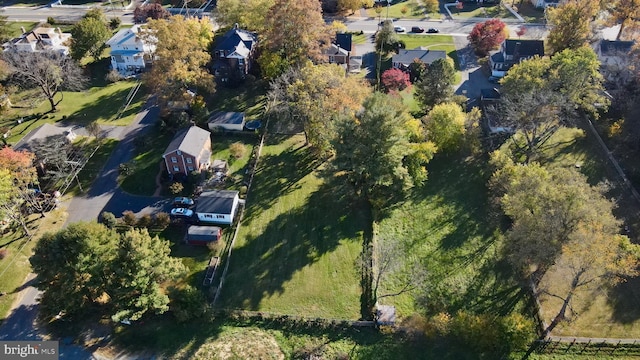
[182,202]
[417,29]
[433,31]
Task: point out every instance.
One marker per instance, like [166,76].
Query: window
[220,216]
[174,159]
[179,152]
[208,216]
[190,168]
[189,160]
[176,169]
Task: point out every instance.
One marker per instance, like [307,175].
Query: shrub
[176,188]
[243,190]
[109,220]
[115,23]
[395,80]
[161,220]
[145,221]
[3,253]
[113,76]
[217,247]
[129,218]
[51,20]
[237,150]
[124,169]
[188,303]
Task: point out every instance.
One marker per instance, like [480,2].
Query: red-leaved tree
[395,80]
[487,36]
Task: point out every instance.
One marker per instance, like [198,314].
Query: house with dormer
[40,39]
[130,53]
[233,55]
[512,52]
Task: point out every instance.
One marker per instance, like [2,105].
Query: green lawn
[98,103]
[296,250]
[220,150]
[446,225]
[15,266]
[15,27]
[359,38]
[412,11]
[146,164]
[474,11]
[248,98]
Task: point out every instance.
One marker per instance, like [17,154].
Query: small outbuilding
[233,121]
[203,235]
[217,207]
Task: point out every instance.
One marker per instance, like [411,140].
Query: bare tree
[51,72]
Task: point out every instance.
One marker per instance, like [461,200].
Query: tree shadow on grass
[294,240]
[105,107]
[625,299]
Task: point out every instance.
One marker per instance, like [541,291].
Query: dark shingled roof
[233,37]
[490,94]
[190,141]
[226,118]
[344,41]
[426,56]
[524,48]
[612,47]
[216,202]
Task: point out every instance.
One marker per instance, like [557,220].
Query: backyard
[297,245]
[481,11]
[412,10]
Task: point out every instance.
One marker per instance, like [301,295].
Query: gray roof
[190,141]
[334,49]
[234,37]
[204,230]
[216,202]
[227,118]
[406,57]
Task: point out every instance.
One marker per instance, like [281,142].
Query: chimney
[23,29]
[235,26]
[516,51]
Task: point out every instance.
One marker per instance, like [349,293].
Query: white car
[181,212]
[399,29]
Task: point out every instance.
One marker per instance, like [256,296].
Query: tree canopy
[381,150]
[295,31]
[395,80]
[88,36]
[86,266]
[487,36]
[446,126]
[386,38]
[436,84]
[20,180]
[623,12]
[51,72]
[168,78]
[248,14]
[571,24]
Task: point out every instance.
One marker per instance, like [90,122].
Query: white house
[227,121]
[545,3]
[217,207]
[40,39]
[130,54]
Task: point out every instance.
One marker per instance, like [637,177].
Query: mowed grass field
[298,243]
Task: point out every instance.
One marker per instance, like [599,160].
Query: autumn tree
[248,14]
[487,36]
[50,72]
[88,36]
[20,177]
[295,31]
[430,6]
[350,6]
[87,267]
[153,11]
[417,70]
[446,126]
[168,78]
[436,84]
[571,24]
[307,99]
[623,12]
[395,80]
[371,150]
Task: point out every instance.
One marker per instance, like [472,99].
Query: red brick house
[190,150]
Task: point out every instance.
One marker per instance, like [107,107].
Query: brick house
[190,150]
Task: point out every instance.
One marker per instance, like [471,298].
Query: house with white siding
[130,53]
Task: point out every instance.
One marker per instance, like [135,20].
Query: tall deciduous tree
[349,5]
[308,98]
[295,31]
[571,24]
[487,36]
[190,38]
[248,14]
[88,36]
[395,80]
[371,149]
[386,38]
[153,11]
[51,72]
[446,126]
[436,84]
[21,178]
[87,266]
[624,12]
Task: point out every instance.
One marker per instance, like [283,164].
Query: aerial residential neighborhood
[332,179]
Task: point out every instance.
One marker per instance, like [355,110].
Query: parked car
[182,202]
[417,29]
[433,31]
[181,213]
[399,29]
